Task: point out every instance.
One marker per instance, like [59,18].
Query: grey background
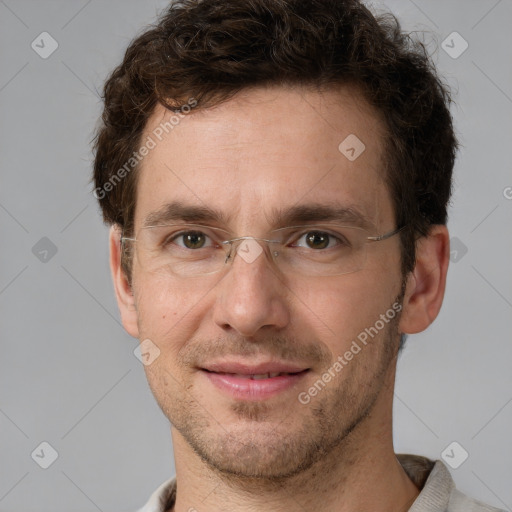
[68,375]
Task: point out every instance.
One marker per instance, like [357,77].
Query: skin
[263,149]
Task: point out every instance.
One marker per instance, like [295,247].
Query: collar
[432,477]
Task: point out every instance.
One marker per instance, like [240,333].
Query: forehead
[265,151]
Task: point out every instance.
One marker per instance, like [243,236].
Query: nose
[252,295]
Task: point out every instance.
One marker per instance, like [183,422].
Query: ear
[426,283]
[123,289]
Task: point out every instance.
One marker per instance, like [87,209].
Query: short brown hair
[211,49]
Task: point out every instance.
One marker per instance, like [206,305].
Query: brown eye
[193,239]
[187,240]
[317,240]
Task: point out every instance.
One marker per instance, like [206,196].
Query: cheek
[166,310]
[342,307]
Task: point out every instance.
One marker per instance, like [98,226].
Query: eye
[190,240]
[316,239]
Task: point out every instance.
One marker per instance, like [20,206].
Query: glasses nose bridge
[237,242]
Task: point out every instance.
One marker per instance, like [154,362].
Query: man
[276,174]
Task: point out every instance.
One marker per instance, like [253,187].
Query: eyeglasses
[187,250]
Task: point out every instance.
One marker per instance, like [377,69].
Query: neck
[361,473]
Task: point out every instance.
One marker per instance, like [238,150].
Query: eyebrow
[178,211]
[279,217]
[320,212]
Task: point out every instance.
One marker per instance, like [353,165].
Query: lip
[243,368]
[232,379]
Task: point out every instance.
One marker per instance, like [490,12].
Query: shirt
[438,492]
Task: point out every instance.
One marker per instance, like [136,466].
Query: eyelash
[175,236]
[331,235]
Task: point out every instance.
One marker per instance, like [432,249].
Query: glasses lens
[193,250]
[181,249]
[321,250]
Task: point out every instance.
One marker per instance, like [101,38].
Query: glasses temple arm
[386,235]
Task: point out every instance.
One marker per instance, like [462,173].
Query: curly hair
[211,49]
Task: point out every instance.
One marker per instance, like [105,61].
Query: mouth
[254,382]
[258,376]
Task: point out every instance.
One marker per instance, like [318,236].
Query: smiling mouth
[253,386]
[258,376]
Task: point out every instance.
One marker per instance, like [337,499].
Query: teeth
[266,375]
[260,376]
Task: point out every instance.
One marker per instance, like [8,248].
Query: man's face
[265,152]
